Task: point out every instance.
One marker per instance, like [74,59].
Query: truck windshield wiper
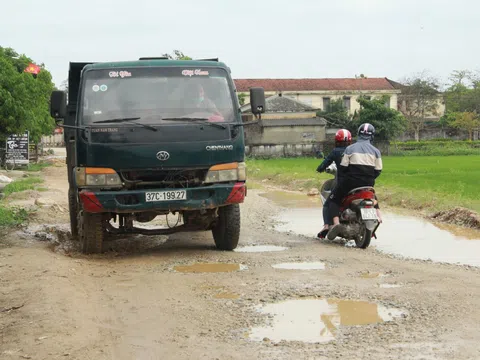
[202,121]
[119,120]
[128,121]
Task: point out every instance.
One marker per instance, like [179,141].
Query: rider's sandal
[322,234]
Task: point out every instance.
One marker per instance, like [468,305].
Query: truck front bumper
[206,197]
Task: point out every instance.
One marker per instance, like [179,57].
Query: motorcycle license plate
[369,214]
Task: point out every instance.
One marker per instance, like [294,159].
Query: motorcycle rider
[343,138]
[360,166]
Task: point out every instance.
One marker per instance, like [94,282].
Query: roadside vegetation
[29,183]
[37,166]
[14,216]
[419,182]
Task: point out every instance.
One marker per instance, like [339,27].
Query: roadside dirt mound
[458,216]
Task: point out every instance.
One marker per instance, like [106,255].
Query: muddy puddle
[260,248]
[406,236]
[292,200]
[209,268]
[318,320]
[227,296]
[300,266]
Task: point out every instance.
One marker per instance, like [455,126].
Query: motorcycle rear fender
[370,224]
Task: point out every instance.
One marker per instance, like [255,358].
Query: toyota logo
[163,155]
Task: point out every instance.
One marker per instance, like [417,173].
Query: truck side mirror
[58,105]
[257,100]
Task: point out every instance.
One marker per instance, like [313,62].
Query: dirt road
[142,300]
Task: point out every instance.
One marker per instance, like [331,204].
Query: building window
[326,103]
[346,103]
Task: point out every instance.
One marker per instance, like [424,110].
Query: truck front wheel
[226,232]
[91,232]
[73,210]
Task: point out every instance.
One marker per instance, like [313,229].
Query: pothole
[226,295]
[371,275]
[318,320]
[209,268]
[260,248]
[301,266]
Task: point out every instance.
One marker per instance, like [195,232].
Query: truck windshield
[157,95]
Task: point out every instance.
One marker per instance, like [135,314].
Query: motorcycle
[357,213]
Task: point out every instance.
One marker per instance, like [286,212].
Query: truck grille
[171,178]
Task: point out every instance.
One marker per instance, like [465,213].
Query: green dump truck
[153,137]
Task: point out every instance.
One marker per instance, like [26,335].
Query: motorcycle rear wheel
[363,241]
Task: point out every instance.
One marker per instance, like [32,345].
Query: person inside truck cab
[198,101]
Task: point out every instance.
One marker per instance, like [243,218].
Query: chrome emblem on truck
[163,155]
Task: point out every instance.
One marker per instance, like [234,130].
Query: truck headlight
[226,173]
[97,177]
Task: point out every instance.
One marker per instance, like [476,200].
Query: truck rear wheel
[91,232]
[226,232]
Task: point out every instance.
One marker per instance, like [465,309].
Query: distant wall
[53,140]
[437,132]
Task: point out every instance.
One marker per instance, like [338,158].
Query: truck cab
[153,137]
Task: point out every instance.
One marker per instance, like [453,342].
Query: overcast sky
[256,38]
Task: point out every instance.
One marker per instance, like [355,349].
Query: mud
[459,216]
[130,303]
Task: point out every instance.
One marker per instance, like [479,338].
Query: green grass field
[429,182]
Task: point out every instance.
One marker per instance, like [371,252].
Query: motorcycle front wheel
[363,241]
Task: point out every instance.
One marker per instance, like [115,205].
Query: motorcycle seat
[363,188]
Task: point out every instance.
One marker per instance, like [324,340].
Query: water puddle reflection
[407,236]
[315,321]
[260,248]
[301,266]
[209,268]
[389,286]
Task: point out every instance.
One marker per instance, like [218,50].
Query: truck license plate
[368,214]
[166,195]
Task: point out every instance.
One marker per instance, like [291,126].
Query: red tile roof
[243,85]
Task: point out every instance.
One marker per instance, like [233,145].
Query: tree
[336,114]
[388,122]
[419,99]
[241,98]
[24,98]
[468,121]
[177,55]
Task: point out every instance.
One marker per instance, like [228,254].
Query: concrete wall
[436,132]
[287,150]
[281,135]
